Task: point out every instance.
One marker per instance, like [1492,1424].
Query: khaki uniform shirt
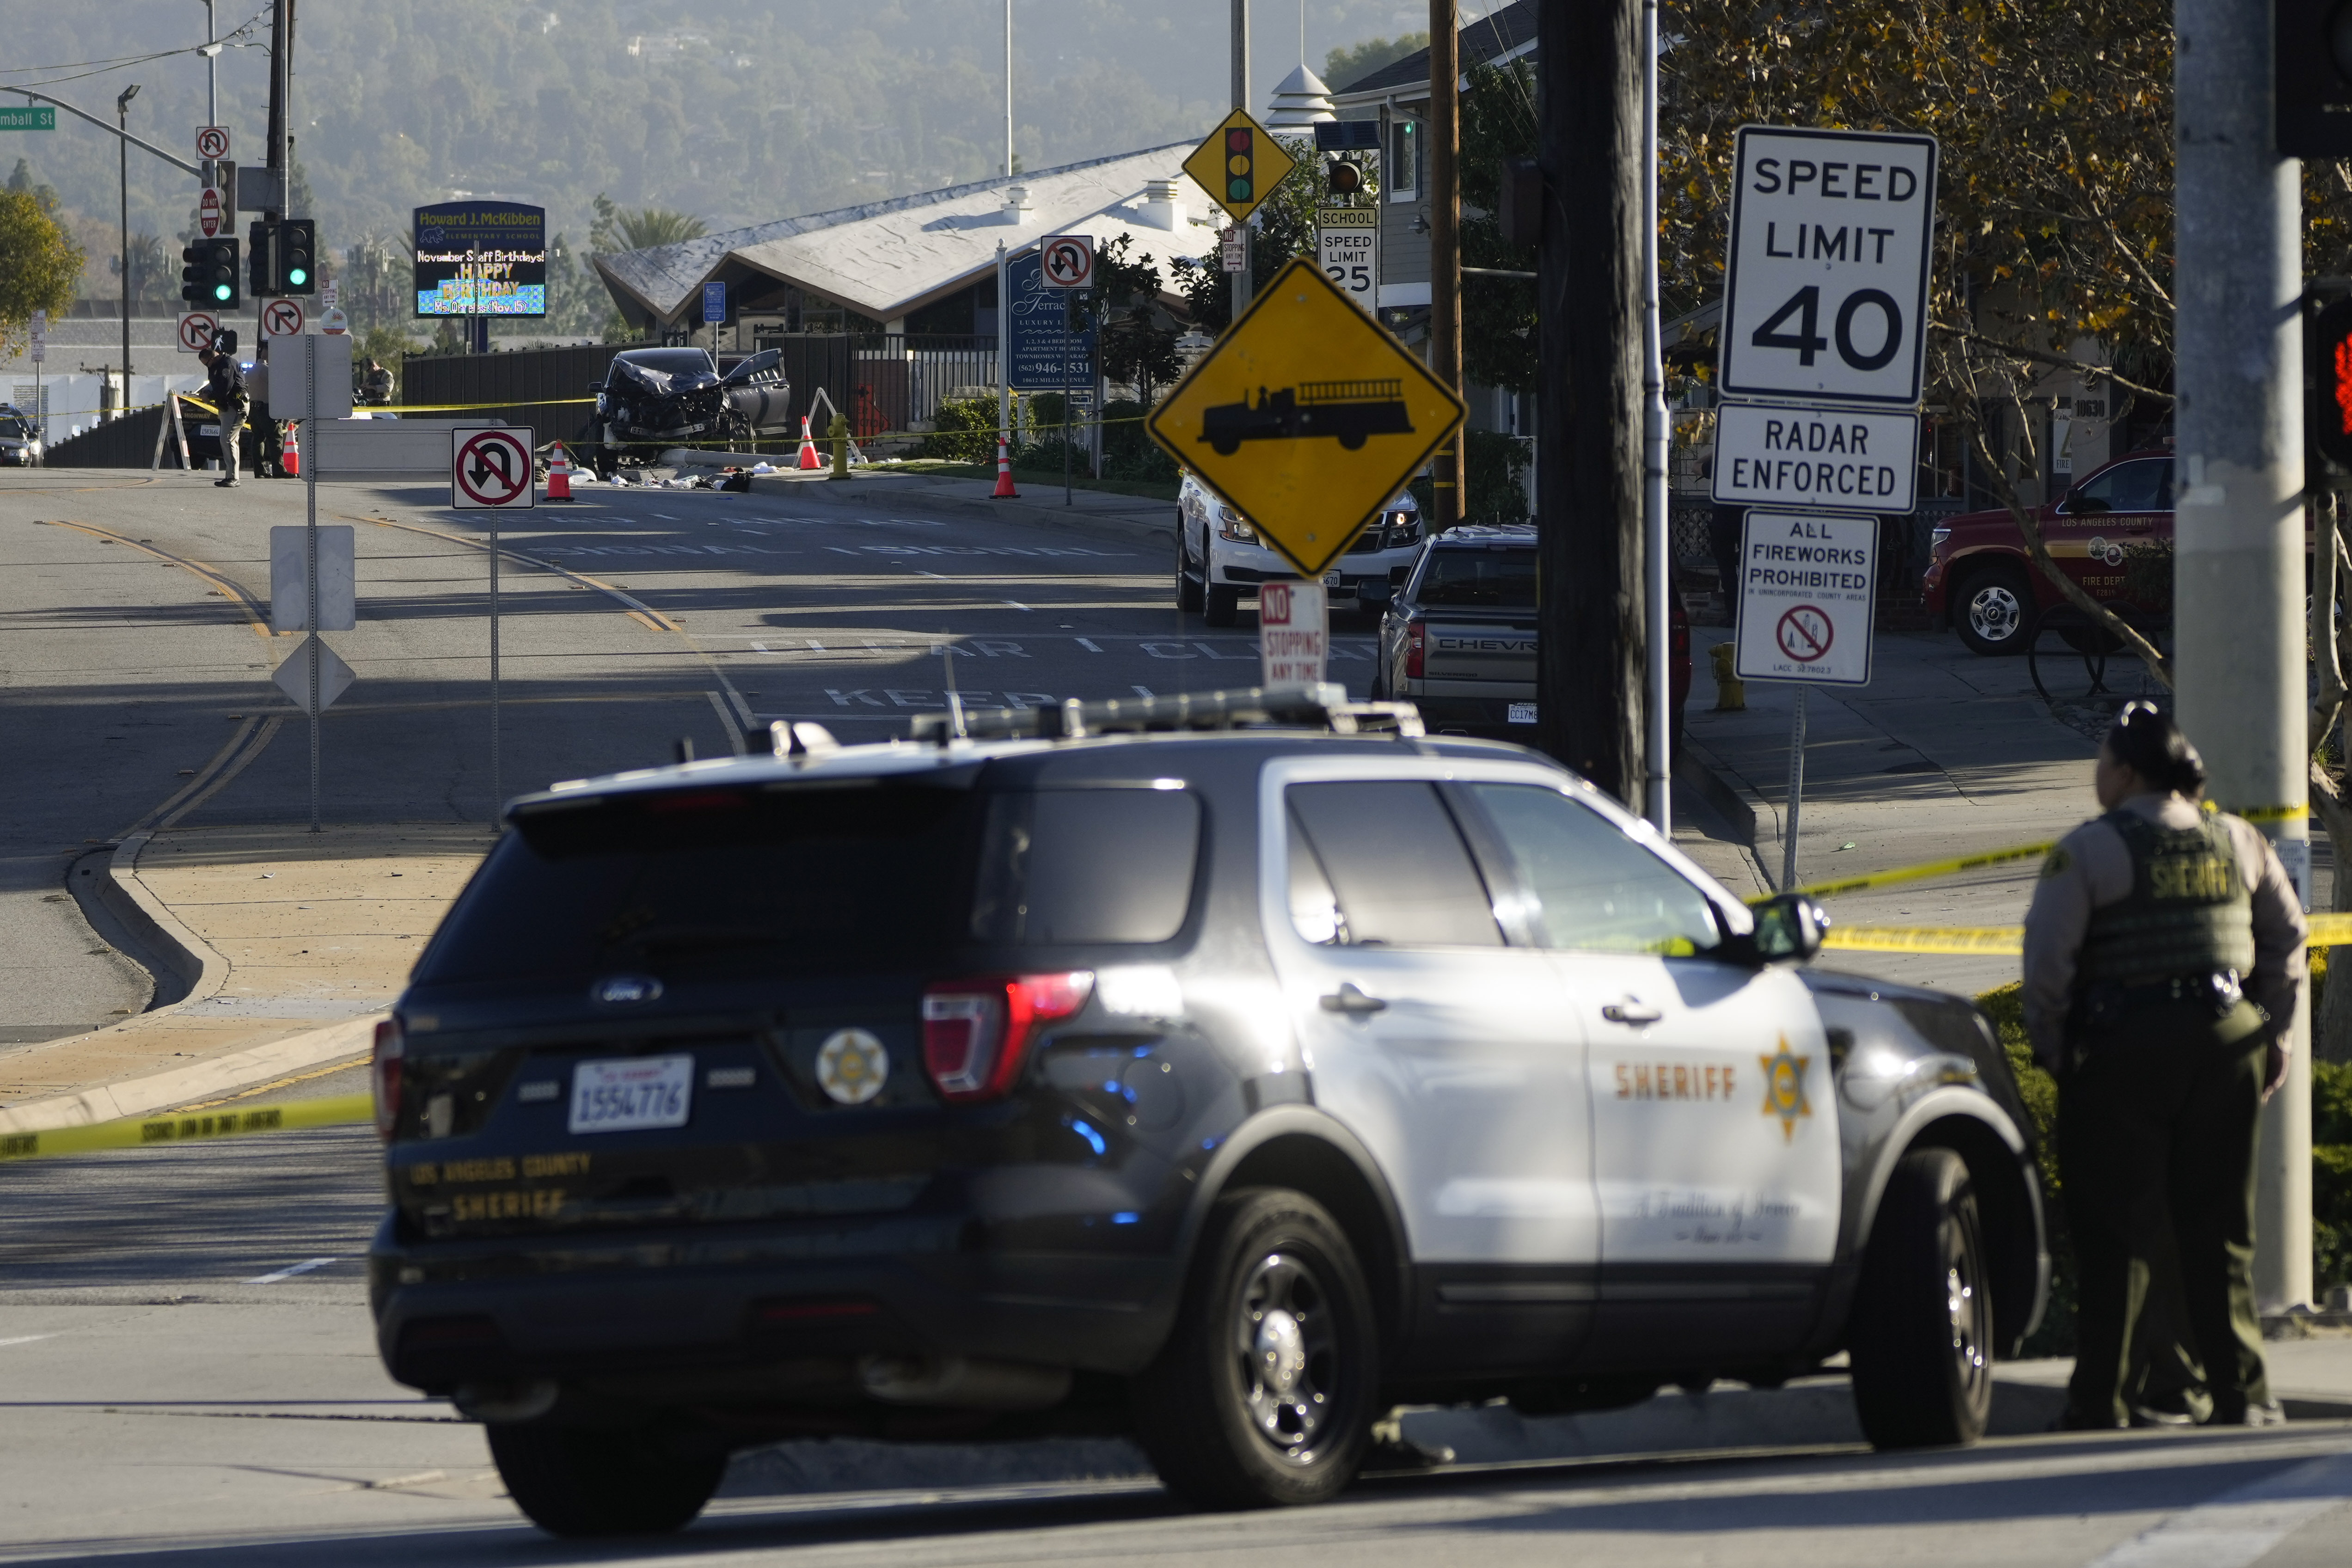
[2090,869]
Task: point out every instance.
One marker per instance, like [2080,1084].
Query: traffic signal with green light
[1240,164]
[208,281]
[297,241]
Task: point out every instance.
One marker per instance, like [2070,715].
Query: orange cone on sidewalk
[559,475]
[290,461]
[1005,489]
[809,459]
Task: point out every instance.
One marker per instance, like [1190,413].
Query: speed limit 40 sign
[1826,288]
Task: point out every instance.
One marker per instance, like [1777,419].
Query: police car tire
[1921,1337]
[1221,606]
[579,1482]
[1193,1405]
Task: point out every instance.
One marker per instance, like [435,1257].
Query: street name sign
[1839,459]
[1066,260]
[1294,634]
[212,143]
[1806,597]
[1346,241]
[198,330]
[30,117]
[1239,164]
[1825,289]
[491,467]
[1307,416]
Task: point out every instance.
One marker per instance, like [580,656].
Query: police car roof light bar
[1318,707]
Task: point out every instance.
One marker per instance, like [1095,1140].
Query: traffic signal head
[298,272]
[1241,164]
[1342,177]
[2328,369]
[2312,77]
[208,281]
[259,278]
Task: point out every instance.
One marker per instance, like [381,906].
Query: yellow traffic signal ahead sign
[1307,417]
[1239,164]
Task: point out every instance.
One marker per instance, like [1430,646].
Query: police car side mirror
[596,388]
[1787,928]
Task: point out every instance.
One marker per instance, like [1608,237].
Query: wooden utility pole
[1446,239]
[1590,646]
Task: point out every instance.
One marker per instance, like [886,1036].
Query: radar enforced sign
[1806,593]
[1306,416]
[1826,287]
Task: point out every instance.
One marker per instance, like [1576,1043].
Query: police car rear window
[1100,864]
[720,882]
[1486,579]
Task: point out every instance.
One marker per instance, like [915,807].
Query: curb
[221,1075]
[1062,519]
[205,971]
[1730,796]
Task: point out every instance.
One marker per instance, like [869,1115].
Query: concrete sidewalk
[1944,753]
[290,945]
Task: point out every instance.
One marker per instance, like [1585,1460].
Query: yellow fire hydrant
[839,431]
[1730,691]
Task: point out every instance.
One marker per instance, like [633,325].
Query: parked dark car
[1227,1069]
[1458,639]
[651,399]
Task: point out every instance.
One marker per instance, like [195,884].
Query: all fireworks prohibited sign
[1807,588]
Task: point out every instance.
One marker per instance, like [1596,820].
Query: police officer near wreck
[2164,960]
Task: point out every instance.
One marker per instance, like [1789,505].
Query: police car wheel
[1221,606]
[583,1481]
[1921,1337]
[1264,1395]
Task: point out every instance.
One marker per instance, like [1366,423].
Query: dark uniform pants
[232,433]
[2155,1149]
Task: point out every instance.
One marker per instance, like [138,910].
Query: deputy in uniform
[2164,960]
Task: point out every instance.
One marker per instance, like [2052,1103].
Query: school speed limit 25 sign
[1825,293]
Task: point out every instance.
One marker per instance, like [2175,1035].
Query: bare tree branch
[2061,361]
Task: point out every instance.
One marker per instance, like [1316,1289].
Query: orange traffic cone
[559,475]
[1005,489]
[809,459]
[290,461]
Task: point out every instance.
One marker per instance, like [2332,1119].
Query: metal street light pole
[122,151]
[211,69]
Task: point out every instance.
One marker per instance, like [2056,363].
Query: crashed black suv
[654,398]
[1226,1070]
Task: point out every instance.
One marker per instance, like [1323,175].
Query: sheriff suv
[1224,1068]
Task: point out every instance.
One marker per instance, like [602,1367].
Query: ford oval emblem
[620,990]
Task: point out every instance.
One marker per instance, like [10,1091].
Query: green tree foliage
[1136,348]
[38,264]
[619,228]
[154,281]
[1341,68]
[1499,341]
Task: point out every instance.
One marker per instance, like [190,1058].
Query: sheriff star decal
[1784,1089]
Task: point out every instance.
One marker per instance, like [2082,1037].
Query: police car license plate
[1520,713]
[213,430]
[630,1093]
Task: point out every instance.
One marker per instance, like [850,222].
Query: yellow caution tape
[1994,942]
[144,1131]
[1921,873]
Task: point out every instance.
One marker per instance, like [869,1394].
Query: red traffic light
[2328,366]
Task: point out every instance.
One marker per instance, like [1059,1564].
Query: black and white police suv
[1226,1070]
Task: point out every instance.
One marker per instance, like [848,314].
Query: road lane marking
[257,617]
[2241,1526]
[288,1272]
[728,723]
[1016,603]
[27,1339]
[1088,645]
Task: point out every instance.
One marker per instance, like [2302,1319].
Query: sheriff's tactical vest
[2187,913]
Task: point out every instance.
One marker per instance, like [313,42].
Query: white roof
[885,258]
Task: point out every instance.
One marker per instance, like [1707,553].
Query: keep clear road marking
[2240,1527]
[304,1267]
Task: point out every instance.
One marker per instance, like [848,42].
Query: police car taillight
[977,1033]
[390,1046]
[1417,651]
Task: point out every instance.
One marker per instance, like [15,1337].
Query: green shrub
[1494,467]
[965,431]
